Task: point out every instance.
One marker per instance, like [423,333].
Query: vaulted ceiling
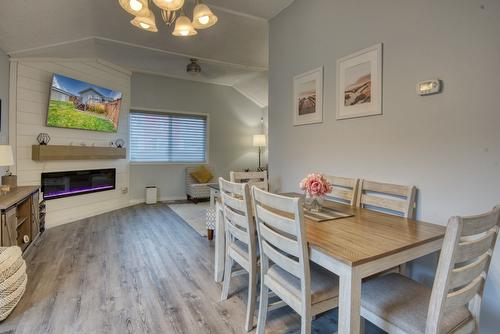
[235,49]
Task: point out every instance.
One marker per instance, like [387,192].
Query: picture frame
[308,97]
[359,83]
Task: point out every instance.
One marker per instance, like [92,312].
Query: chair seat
[324,284]
[404,303]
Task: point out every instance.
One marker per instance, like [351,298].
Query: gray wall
[448,145]
[233,119]
[4,96]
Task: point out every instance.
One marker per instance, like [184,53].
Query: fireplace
[79,182]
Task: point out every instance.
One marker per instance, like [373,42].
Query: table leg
[349,302]
[219,244]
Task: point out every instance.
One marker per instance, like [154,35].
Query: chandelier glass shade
[135,7]
[203,17]
[169,4]
[146,22]
[172,13]
[183,27]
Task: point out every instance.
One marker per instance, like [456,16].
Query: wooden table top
[368,235]
[15,195]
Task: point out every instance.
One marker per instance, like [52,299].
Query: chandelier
[172,11]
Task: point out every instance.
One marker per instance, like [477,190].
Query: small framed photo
[308,97]
[359,83]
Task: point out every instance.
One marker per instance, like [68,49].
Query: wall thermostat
[429,87]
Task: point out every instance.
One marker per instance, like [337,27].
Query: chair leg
[227,277]
[263,305]
[210,234]
[252,298]
[306,323]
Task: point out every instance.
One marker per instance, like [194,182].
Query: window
[167,137]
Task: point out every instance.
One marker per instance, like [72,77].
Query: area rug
[193,214]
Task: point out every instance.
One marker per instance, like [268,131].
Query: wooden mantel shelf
[64,152]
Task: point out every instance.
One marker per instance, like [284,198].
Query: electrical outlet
[124,190]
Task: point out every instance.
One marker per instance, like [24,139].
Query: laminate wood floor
[136,270]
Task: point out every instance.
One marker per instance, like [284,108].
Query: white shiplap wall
[31,81]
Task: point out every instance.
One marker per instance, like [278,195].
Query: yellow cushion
[202,174]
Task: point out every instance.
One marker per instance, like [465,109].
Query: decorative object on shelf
[259,141]
[308,97]
[120,143]
[172,11]
[359,83]
[315,186]
[43,138]
[6,160]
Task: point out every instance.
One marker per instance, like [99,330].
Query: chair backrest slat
[258,179]
[386,197]
[344,189]
[463,267]
[276,221]
[293,267]
[469,250]
[464,275]
[233,202]
[236,218]
[279,240]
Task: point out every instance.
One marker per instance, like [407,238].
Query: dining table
[361,244]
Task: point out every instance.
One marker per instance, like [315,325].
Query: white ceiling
[234,50]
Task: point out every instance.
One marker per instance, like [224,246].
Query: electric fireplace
[78,182]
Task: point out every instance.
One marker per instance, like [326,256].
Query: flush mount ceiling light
[193,67]
[172,11]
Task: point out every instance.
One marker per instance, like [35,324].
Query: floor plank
[136,270]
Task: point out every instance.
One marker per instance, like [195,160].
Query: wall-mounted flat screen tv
[80,105]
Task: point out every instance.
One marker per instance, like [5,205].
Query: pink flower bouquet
[315,185]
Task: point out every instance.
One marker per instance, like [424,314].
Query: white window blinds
[167,137]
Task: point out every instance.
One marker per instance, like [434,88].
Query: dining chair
[258,179]
[388,198]
[398,304]
[285,269]
[241,242]
[344,189]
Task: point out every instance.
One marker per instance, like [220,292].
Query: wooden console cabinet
[19,217]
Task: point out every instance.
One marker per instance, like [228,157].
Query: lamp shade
[146,22]
[6,157]
[135,7]
[169,4]
[259,140]
[183,27]
[203,17]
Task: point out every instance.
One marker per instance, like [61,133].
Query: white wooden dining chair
[398,304]
[388,198]
[241,242]
[344,189]
[258,179]
[285,269]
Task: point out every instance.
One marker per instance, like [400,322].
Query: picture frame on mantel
[308,97]
[359,83]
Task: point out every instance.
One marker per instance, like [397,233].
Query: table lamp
[7,160]
[259,141]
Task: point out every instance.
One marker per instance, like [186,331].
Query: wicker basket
[13,279]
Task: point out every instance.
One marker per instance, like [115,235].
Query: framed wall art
[359,83]
[308,97]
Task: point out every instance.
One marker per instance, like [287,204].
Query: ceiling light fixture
[193,67]
[172,11]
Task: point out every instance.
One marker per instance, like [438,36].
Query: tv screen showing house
[80,105]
